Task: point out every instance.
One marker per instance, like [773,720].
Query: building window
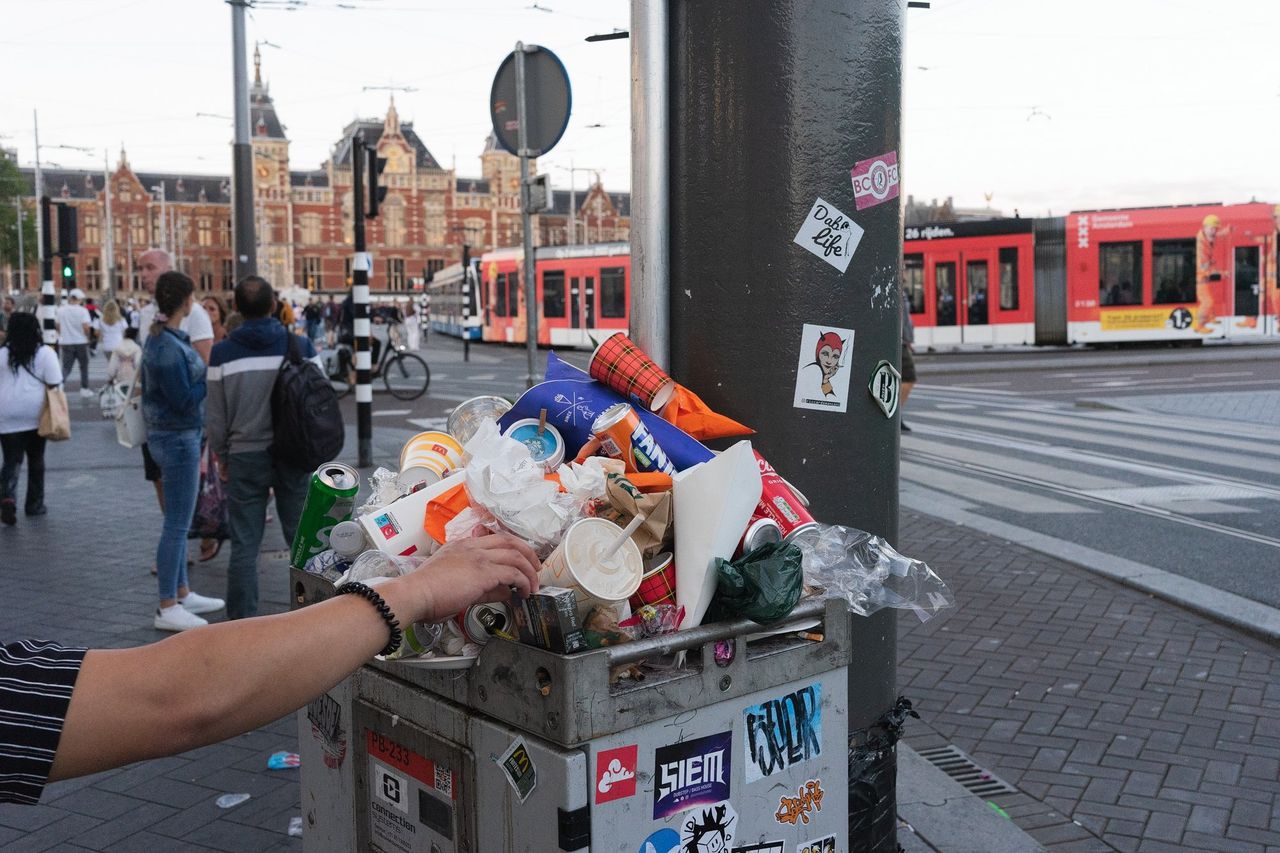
[913,282]
[92,233]
[613,292]
[311,273]
[206,274]
[392,214]
[224,233]
[434,265]
[138,230]
[1173,270]
[1009,279]
[1120,273]
[310,226]
[228,274]
[93,273]
[204,231]
[553,293]
[395,274]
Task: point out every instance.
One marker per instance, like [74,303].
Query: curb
[1062,358]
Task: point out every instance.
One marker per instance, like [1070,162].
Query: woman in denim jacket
[173,392]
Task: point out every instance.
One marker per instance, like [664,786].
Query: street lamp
[573,216]
[164,243]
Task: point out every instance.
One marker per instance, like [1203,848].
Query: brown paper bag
[626,502]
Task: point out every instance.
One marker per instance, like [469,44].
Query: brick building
[303,217]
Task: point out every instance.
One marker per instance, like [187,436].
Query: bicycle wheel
[406,376]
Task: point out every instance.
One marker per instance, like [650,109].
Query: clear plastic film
[869,574]
[383,489]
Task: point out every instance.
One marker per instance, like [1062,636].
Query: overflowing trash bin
[679,681]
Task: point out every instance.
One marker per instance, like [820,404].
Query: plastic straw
[626,534]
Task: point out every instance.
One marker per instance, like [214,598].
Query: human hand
[466,572]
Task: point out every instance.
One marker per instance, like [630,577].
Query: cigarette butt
[809,635]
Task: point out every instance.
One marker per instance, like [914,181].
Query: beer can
[760,531]
[779,502]
[479,622]
[331,497]
[624,436]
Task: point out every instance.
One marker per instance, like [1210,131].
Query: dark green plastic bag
[763,585]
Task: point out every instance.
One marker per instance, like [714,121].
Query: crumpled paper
[503,478]
[656,533]
[586,480]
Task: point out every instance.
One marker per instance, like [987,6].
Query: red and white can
[760,531]
[781,503]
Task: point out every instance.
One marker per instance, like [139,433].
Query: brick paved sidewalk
[1149,727]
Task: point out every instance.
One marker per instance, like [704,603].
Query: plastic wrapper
[601,625]
[503,479]
[375,565]
[762,585]
[650,621]
[869,574]
[383,489]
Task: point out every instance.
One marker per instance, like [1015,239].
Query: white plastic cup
[578,563]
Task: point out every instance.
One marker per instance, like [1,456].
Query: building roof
[560,201]
[86,184]
[263,121]
[472,185]
[370,131]
[312,178]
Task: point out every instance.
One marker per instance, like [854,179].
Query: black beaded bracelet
[369,594]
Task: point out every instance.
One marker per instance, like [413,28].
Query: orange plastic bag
[442,510]
[687,411]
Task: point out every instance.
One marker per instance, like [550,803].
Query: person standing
[313,314]
[173,394]
[27,368]
[74,325]
[113,326]
[151,265]
[242,373]
[412,328]
[123,366]
[908,360]
[216,308]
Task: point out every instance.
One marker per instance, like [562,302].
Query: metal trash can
[533,751]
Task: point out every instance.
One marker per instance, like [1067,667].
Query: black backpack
[306,423]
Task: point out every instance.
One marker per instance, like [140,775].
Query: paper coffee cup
[428,458]
[545,446]
[578,563]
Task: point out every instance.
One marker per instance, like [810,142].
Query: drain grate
[966,771]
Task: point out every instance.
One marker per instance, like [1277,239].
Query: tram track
[940,461]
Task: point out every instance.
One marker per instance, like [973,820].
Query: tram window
[500,300]
[1173,270]
[913,282]
[513,294]
[944,276]
[613,292]
[553,293]
[976,279]
[1009,279]
[1120,268]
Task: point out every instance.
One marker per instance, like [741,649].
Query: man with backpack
[266,382]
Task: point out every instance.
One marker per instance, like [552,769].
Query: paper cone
[713,503]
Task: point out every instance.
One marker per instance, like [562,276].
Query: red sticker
[616,774]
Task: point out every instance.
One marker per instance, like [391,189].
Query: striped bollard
[48,312]
[360,266]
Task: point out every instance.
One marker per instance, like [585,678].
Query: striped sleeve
[36,680]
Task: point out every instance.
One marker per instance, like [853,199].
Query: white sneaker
[196,603]
[86,393]
[177,618]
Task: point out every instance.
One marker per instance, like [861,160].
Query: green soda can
[330,499]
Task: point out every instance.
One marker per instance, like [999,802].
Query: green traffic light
[67,272]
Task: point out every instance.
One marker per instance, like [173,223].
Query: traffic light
[376,166]
[68,234]
[537,196]
[68,273]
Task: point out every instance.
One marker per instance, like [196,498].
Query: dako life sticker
[885,386]
[822,371]
[875,181]
[829,234]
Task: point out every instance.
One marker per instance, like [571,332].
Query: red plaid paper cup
[658,586]
[625,368]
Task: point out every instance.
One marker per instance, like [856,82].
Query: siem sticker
[616,773]
[829,234]
[691,773]
[783,732]
[875,181]
[808,799]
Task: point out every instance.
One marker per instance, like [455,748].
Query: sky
[1045,106]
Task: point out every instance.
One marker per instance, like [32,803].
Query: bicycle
[405,374]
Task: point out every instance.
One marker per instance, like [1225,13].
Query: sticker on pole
[709,829]
[829,234]
[885,385]
[875,181]
[518,767]
[822,372]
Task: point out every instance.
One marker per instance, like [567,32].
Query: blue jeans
[250,476]
[177,452]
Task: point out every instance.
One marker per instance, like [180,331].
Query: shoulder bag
[131,428]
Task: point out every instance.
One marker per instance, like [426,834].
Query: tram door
[582,308]
[974,297]
[1248,287]
[946,296]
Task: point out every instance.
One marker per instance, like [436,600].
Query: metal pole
[48,302]
[820,85]
[41,254]
[246,253]
[573,214]
[360,264]
[164,233]
[108,237]
[526,218]
[22,257]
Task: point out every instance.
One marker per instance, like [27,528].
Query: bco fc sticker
[884,386]
[875,181]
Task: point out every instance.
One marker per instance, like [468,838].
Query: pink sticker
[875,181]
